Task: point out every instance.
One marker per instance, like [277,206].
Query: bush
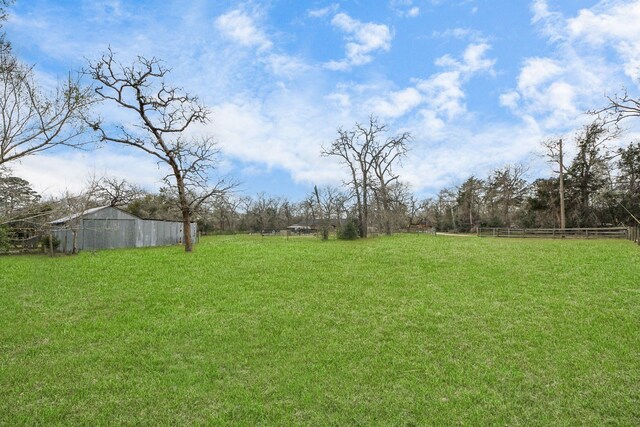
[4,239]
[349,231]
[45,243]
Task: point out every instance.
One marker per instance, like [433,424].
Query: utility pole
[563,223]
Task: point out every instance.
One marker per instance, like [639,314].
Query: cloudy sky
[478,83]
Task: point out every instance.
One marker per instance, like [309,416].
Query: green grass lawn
[406,330]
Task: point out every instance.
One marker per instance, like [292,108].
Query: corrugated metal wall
[112,228]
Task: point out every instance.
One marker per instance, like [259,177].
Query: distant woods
[599,186]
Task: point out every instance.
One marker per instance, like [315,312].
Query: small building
[109,227]
[300,228]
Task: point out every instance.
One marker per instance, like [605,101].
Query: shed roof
[86,212]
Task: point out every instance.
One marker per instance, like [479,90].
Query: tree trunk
[185,209]
[186,227]
[51,243]
[74,242]
[386,215]
[364,232]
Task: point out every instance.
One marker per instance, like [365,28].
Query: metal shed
[108,227]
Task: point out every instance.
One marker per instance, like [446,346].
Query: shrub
[45,243]
[349,231]
[4,239]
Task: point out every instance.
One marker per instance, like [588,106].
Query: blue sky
[478,83]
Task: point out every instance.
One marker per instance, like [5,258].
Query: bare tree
[5,46]
[329,202]
[383,158]
[162,113]
[367,157]
[31,121]
[117,192]
[620,107]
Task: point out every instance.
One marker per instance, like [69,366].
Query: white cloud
[616,25]
[557,89]
[444,90]
[445,94]
[405,8]
[510,99]
[441,95]
[363,39]
[455,152]
[397,103]
[325,11]
[286,65]
[53,173]
[537,71]
[267,133]
[240,27]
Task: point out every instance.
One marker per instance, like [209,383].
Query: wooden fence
[634,234]
[630,233]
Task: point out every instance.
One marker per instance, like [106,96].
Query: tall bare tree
[32,121]
[162,114]
[367,156]
[386,155]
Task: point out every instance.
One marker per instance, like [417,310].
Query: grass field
[406,330]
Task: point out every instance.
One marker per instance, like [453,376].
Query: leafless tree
[620,107]
[222,212]
[32,121]
[117,192]
[383,159]
[367,156]
[329,203]
[5,46]
[162,113]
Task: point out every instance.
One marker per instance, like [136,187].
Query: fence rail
[630,233]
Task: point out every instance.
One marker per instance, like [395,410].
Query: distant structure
[108,227]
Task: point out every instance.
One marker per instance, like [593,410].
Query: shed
[108,227]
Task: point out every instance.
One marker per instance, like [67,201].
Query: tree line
[599,186]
